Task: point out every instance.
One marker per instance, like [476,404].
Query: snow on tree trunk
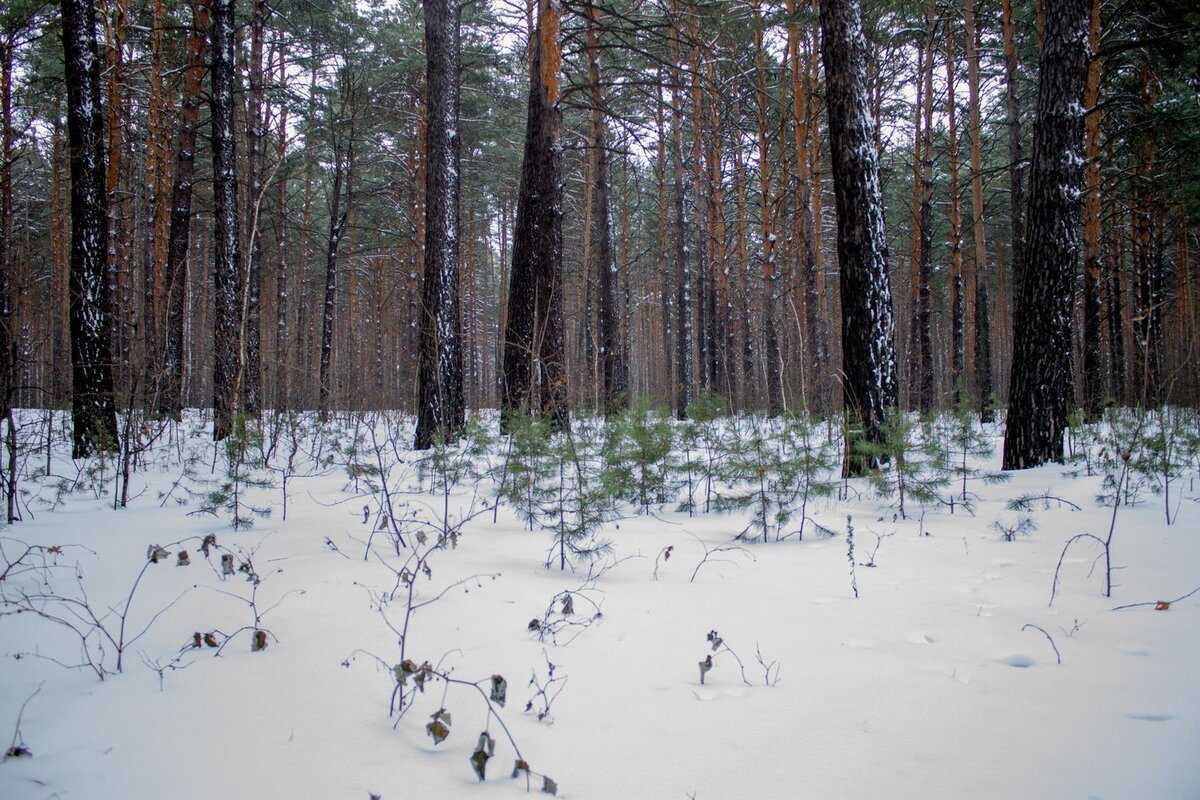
[440,403]
[170,398]
[252,291]
[868,350]
[533,337]
[93,411]
[227,278]
[1040,388]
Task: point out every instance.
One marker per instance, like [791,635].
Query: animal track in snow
[1019,661]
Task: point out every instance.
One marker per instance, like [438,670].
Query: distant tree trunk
[337,225]
[1041,373]
[868,350]
[926,381]
[979,271]
[441,409]
[93,412]
[252,291]
[684,331]
[958,304]
[773,366]
[1016,164]
[227,278]
[615,381]
[724,374]
[533,339]
[1093,267]
[1147,256]
[749,381]
[157,168]
[705,304]
[814,324]
[170,397]
[121,317]
[913,355]
[283,358]
[8,317]
[1114,309]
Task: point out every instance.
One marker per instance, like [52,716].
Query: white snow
[927,686]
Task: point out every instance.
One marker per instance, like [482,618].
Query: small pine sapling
[911,467]
[1009,531]
[776,468]
[703,443]
[242,450]
[969,444]
[638,455]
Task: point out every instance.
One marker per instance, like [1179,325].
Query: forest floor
[942,679]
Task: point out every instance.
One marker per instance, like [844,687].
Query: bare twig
[1159,603]
[1049,638]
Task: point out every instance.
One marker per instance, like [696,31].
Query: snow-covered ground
[933,683]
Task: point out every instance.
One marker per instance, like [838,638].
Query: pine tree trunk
[93,412]
[684,332]
[283,366]
[724,375]
[1093,267]
[170,396]
[927,379]
[8,317]
[979,266]
[1016,164]
[533,340]
[615,381]
[252,291]
[814,324]
[337,225]
[1040,390]
[1147,256]
[441,409]
[770,291]
[227,278]
[958,304]
[868,351]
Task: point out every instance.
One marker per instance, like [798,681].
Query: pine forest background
[716,173]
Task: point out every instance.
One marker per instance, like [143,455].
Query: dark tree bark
[93,412]
[533,337]
[923,319]
[227,277]
[283,359]
[1093,267]
[979,271]
[337,225]
[868,349]
[685,333]
[170,398]
[615,381]
[441,410]
[8,317]
[1040,391]
[1147,255]
[252,291]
